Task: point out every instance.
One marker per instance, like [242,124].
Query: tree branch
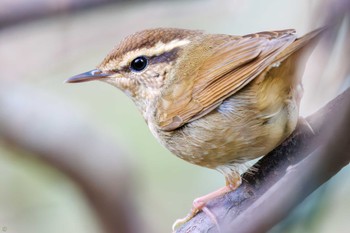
[15,12]
[284,177]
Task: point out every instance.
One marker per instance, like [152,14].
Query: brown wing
[230,67]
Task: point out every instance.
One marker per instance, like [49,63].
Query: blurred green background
[40,54]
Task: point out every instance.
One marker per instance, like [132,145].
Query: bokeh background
[71,154]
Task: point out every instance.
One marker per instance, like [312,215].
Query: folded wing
[230,66]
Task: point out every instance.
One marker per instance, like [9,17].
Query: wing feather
[230,66]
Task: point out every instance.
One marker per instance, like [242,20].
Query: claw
[307,124]
[199,204]
[181,221]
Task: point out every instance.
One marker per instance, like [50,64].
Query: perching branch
[284,177]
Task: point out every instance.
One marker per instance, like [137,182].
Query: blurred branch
[34,121]
[286,176]
[14,12]
[22,11]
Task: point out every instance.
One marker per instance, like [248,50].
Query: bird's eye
[139,64]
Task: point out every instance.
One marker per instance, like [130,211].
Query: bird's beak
[95,74]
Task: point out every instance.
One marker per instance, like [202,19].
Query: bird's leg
[233,181]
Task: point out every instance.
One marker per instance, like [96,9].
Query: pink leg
[232,182]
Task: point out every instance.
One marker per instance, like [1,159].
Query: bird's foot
[200,204]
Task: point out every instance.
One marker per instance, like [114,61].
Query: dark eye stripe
[165,57]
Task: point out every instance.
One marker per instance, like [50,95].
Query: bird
[214,100]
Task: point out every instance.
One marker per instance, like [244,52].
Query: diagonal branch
[286,176]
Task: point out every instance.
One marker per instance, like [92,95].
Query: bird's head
[142,63]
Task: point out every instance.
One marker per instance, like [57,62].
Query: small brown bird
[213,100]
